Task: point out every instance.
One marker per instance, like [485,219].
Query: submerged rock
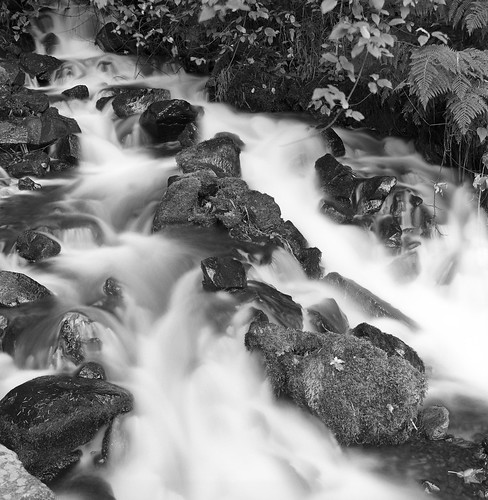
[135,101]
[27,184]
[223,273]
[363,395]
[434,422]
[16,483]
[333,142]
[35,246]
[47,419]
[91,370]
[328,317]
[17,289]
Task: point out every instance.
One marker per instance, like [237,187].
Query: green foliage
[472,15]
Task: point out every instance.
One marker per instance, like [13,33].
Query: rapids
[205,424]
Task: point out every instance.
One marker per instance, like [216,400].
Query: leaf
[329,57]
[376,19]
[396,21]
[356,50]
[377,4]
[482,133]
[423,39]
[470,476]
[373,88]
[339,31]
[206,13]
[383,82]
[327,6]
[336,362]
[270,32]
[365,32]
[440,36]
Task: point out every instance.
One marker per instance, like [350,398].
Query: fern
[471,14]
[464,111]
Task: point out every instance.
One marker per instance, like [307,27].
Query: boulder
[35,246]
[372,192]
[370,303]
[220,154]
[77,92]
[16,483]
[112,288]
[13,132]
[19,329]
[165,121]
[22,102]
[328,317]
[84,486]
[359,392]
[27,184]
[49,127]
[135,101]
[11,74]
[110,39]
[91,370]
[389,231]
[333,142]
[17,289]
[35,163]
[47,419]
[223,273]
[39,66]
[67,149]
[434,422]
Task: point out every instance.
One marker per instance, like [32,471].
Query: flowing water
[205,424]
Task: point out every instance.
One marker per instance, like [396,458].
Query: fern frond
[477,18]
[463,111]
[457,10]
[460,86]
[473,63]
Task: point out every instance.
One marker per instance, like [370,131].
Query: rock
[406,266]
[357,390]
[47,419]
[112,288]
[369,302]
[49,127]
[16,483]
[85,487]
[68,149]
[27,184]
[219,154]
[91,370]
[50,43]
[109,39]
[3,328]
[328,317]
[333,142]
[372,192]
[11,74]
[35,163]
[39,66]
[136,101]
[17,289]
[392,345]
[434,422]
[18,329]
[165,121]
[389,232]
[35,246]
[23,102]
[101,103]
[77,92]
[223,273]
[13,132]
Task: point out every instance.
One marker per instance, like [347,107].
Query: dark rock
[26,42]
[101,103]
[372,192]
[17,483]
[329,317]
[369,303]
[219,154]
[46,419]
[68,149]
[35,246]
[49,127]
[17,330]
[109,39]
[77,92]
[35,163]
[235,138]
[334,142]
[3,328]
[223,273]
[389,231]
[112,288]
[50,43]
[434,422]
[91,370]
[13,132]
[17,289]
[392,345]
[22,103]
[11,73]
[164,121]
[85,487]
[136,101]
[27,184]
[39,66]
[354,388]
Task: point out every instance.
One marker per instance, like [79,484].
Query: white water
[205,424]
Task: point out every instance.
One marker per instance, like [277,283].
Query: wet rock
[91,370]
[372,193]
[47,419]
[357,390]
[49,127]
[369,302]
[164,121]
[16,483]
[35,246]
[405,267]
[136,101]
[50,43]
[22,102]
[434,422]
[18,329]
[67,149]
[77,92]
[389,232]
[219,154]
[102,102]
[27,184]
[85,487]
[112,288]
[39,66]
[329,317]
[109,39]
[11,73]
[13,132]
[392,345]
[333,142]
[17,289]
[3,328]
[35,163]
[223,273]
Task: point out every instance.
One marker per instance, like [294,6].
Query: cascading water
[206,425]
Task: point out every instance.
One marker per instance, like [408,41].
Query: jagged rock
[109,39]
[35,246]
[16,483]
[392,345]
[357,390]
[219,154]
[136,101]
[3,328]
[17,289]
[165,121]
[67,149]
[22,102]
[389,231]
[11,73]
[369,303]
[49,127]
[434,422]
[39,66]
[223,273]
[101,103]
[334,142]
[47,419]
[112,288]
[91,370]
[77,92]
[328,317]
[27,184]
[372,192]
[50,43]
[35,163]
